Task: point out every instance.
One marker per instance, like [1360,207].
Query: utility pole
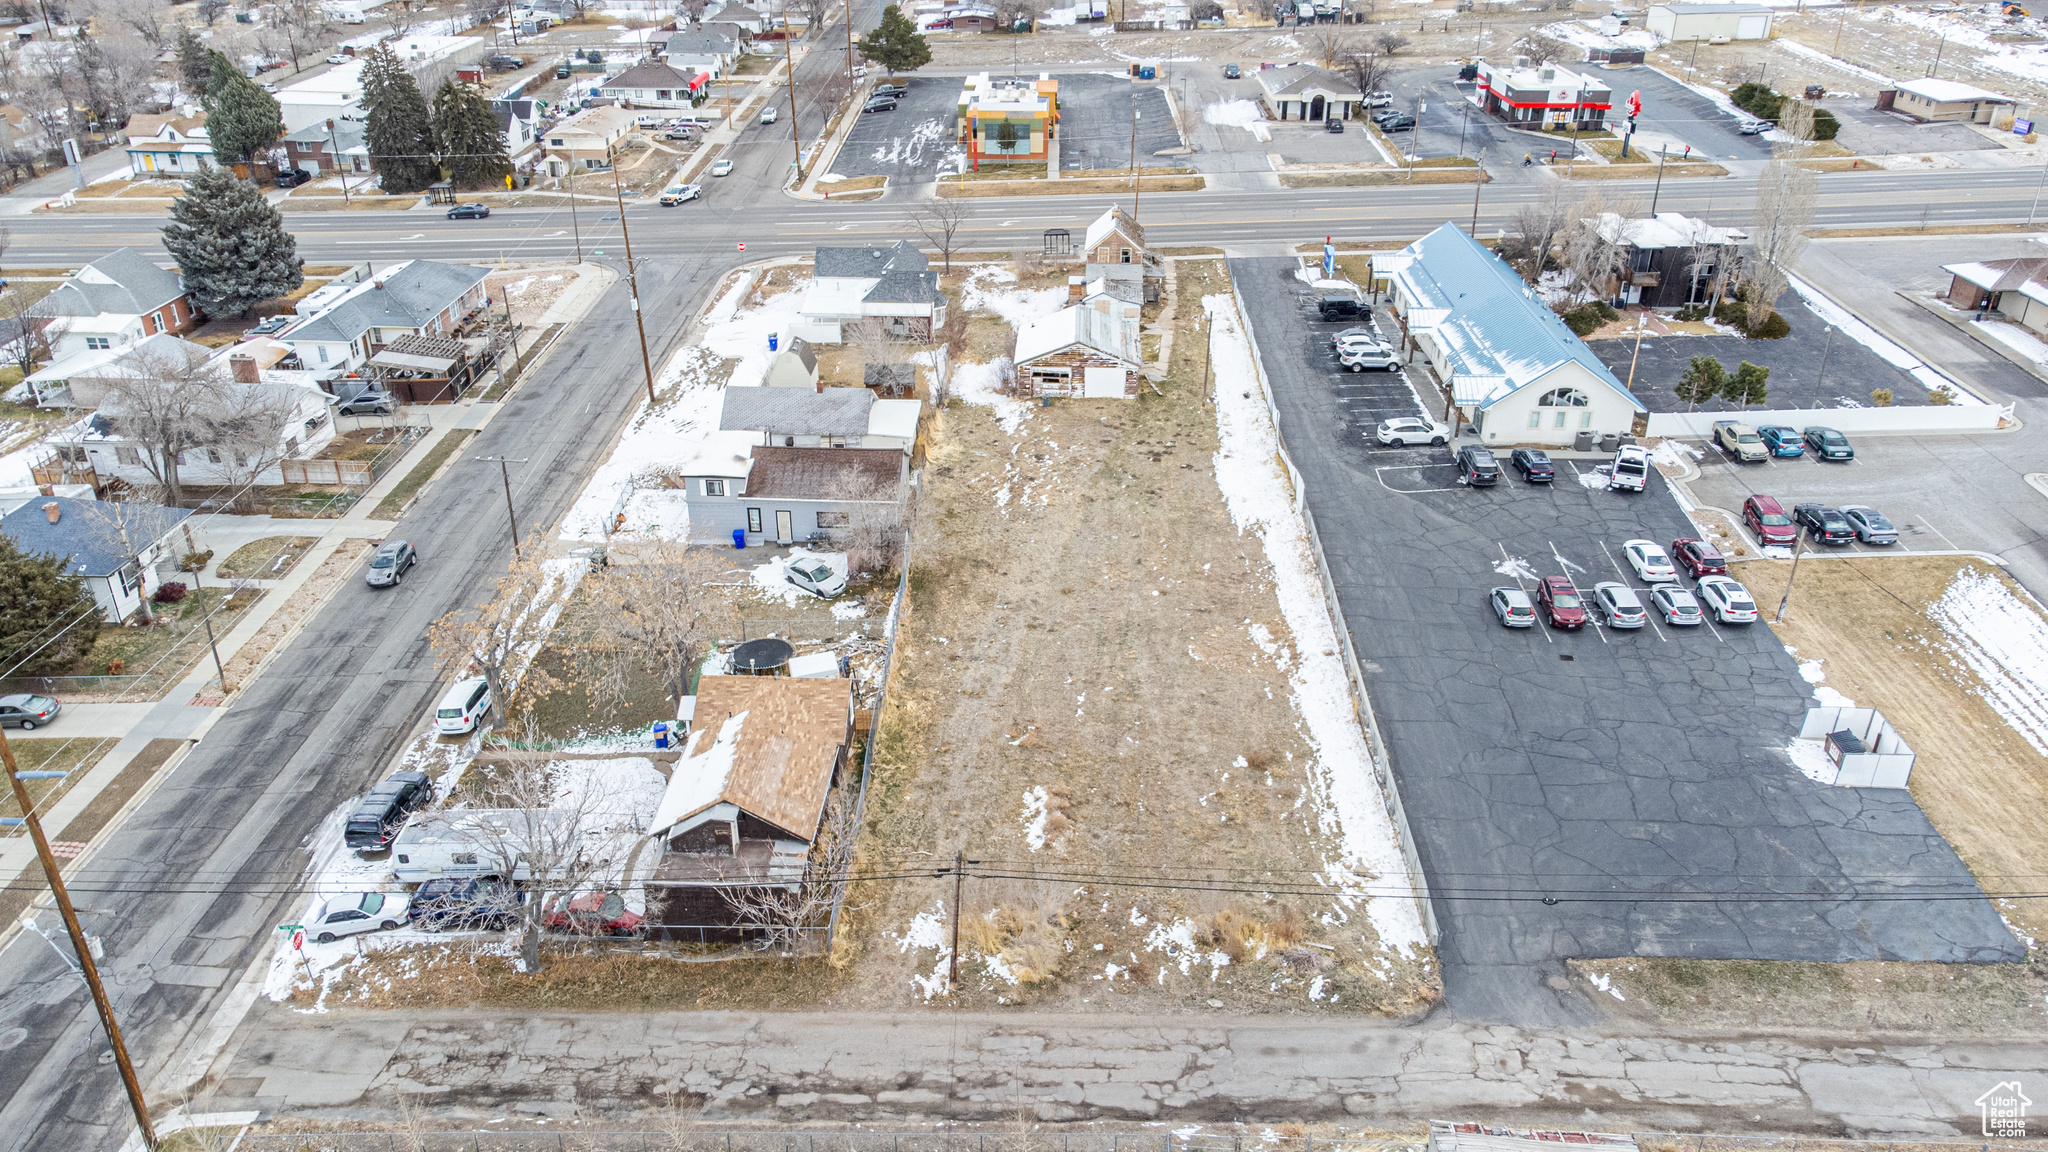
[505,474]
[849,41]
[2037,193]
[633,283]
[1658,190]
[1135,178]
[796,135]
[1642,326]
[208,621]
[953,962]
[334,149]
[1478,182]
[575,228]
[86,965]
[1797,552]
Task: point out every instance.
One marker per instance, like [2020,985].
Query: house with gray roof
[323,150]
[116,300]
[889,290]
[739,490]
[418,297]
[652,84]
[1515,373]
[831,418]
[1306,92]
[116,547]
[707,52]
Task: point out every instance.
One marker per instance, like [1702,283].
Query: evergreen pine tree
[231,245]
[195,63]
[37,602]
[472,146]
[398,127]
[1703,380]
[242,119]
[895,43]
[1749,384]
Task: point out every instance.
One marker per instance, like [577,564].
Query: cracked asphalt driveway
[1600,793]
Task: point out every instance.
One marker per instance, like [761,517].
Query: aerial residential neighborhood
[989,577]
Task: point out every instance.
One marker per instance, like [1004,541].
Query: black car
[1341,308]
[561,71]
[1333,125]
[469,212]
[505,63]
[1534,465]
[879,104]
[1824,524]
[379,815]
[466,904]
[1477,467]
[368,404]
[892,90]
[292,177]
[1230,72]
[1399,122]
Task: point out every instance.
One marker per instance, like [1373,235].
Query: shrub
[1942,395]
[1774,327]
[194,561]
[1882,397]
[1589,316]
[1731,312]
[169,592]
[1825,125]
[1690,313]
[1757,100]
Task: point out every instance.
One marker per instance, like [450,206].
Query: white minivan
[463,708]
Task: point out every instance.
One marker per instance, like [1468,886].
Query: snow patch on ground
[1245,114]
[1595,480]
[1811,758]
[1035,812]
[2005,642]
[1605,983]
[1864,334]
[1347,794]
[771,579]
[1829,698]
[1515,567]
[1811,672]
[985,291]
[1675,454]
[982,384]
[668,435]
[2016,338]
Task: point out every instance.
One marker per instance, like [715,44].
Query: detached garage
[1710,21]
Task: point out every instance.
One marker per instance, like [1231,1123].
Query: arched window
[1564,398]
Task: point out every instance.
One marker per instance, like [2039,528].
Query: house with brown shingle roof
[738,489]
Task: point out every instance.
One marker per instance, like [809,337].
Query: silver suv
[1359,357]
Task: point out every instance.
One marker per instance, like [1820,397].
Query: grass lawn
[360,444]
[167,647]
[267,559]
[75,754]
[394,503]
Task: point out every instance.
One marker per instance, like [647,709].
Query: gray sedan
[1872,526]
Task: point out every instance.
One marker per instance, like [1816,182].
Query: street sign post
[1635,109]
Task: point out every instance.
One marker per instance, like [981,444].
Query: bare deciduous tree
[662,611]
[777,918]
[872,536]
[1527,239]
[245,435]
[1366,70]
[1595,243]
[162,398]
[939,220]
[869,340]
[546,831]
[1785,198]
[1329,44]
[500,640]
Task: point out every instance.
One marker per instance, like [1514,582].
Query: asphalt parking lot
[1095,122]
[1810,368]
[1945,493]
[1598,793]
[1672,109]
[910,145]
[1873,133]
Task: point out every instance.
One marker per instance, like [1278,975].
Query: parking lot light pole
[1824,350]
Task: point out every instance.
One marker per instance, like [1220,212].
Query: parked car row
[1755,445]
[470,904]
[1559,602]
[1773,527]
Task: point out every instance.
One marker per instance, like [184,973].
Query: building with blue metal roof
[1516,374]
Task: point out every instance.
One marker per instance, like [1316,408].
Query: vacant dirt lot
[1980,781]
[1092,699]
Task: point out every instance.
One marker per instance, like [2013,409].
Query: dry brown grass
[1975,775]
[1089,633]
[1383,176]
[1640,171]
[1066,187]
[1724,996]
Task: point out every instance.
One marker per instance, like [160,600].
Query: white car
[337,58]
[814,575]
[463,708]
[1350,335]
[1619,607]
[1676,605]
[768,114]
[1727,599]
[1412,430]
[1359,342]
[1360,357]
[353,912]
[721,167]
[1652,564]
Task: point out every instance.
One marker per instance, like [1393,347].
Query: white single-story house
[1932,98]
[1306,92]
[829,418]
[653,84]
[1515,373]
[116,547]
[781,495]
[894,285]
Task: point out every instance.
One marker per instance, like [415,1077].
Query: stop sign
[298,939]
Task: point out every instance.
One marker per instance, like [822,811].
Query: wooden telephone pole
[86,965]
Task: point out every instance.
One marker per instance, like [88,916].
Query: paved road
[803,1068]
[190,890]
[1599,793]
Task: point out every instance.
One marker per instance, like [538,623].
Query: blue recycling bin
[739,537]
[661,734]
[772,338]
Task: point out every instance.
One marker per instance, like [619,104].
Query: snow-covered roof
[1495,334]
[1692,9]
[895,418]
[725,453]
[1113,220]
[2000,275]
[1948,91]
[1666,230]
[796,411]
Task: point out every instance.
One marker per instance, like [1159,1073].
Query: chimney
[47,489]
[243,366]
[377,285]
[821,385]
[54,511]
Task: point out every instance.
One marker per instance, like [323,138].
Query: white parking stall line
[1938,532]
[1508,568]
[1564,568]
[1648,613]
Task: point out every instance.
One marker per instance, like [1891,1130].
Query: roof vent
[377,284]
[1521,61]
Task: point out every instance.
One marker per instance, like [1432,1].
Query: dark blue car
[1534,465]
[1782,441]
